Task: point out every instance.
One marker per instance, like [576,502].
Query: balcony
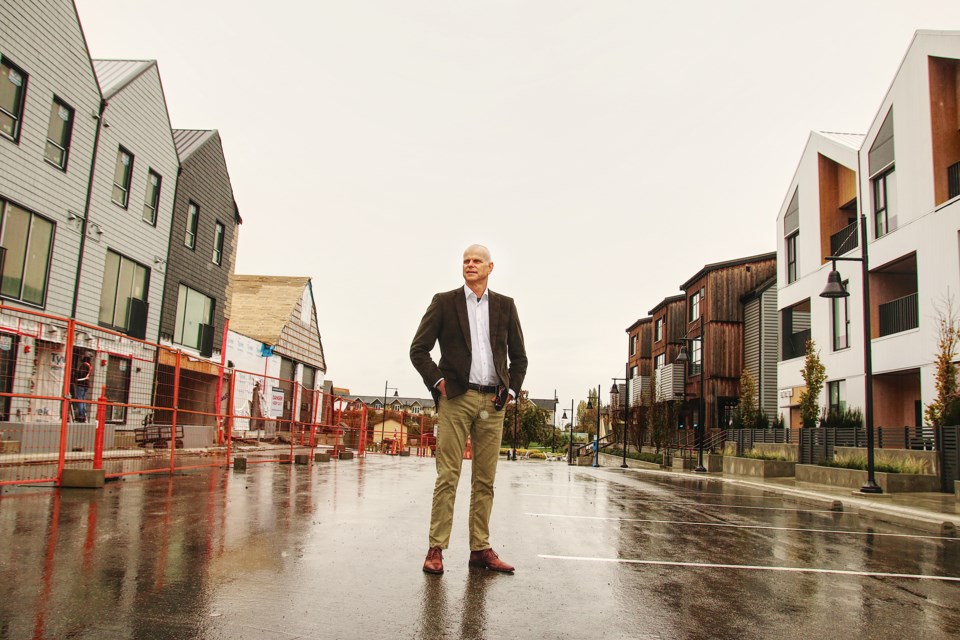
[899,315]
[845,240]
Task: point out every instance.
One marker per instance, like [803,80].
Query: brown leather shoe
[434,562]
[488,559]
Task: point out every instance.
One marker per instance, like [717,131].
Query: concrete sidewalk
[936,513]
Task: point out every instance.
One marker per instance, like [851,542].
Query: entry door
[118,387]
[8,364]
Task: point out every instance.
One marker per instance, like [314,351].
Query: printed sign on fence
[276,402]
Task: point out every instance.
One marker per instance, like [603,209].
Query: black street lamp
[516,418]
[615,391]
[596,439]
[835,289]
[383,424]
[553,433]
[570,446]
[682,360]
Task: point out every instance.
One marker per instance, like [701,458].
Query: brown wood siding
[944,121]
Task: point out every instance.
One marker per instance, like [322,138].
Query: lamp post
[383,424]
[553,432]
[835,289]
[615,391]
[516,419]
[682,359]
[596,439]
[570,446]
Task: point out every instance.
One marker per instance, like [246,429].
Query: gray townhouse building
[50,104]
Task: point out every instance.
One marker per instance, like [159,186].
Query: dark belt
[482,388]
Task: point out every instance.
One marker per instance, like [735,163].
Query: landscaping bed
[856,478]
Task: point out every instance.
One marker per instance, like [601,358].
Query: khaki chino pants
[458,418]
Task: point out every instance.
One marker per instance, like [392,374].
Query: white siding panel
[45,40]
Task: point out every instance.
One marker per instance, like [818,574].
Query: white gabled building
[904,175]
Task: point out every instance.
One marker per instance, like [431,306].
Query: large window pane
[193,310]
[123,279]
[16,230]
[108,292]
[38,261]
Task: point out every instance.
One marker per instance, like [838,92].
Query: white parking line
[708,565]
[697,504]
[729,525]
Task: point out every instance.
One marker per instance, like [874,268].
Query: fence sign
[276,402]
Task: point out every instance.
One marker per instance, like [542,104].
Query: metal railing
[899,315]
[844,240]
[953,180]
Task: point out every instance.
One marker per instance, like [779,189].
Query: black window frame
[67,135]
[146,292]
[179,326]
[658,330]
[840,404]
[219,232]
[633,345]
[881,202]
[790,249]
[127,178]
[26,254]
[193,224]
[694,306]
[20,107]
[155,206]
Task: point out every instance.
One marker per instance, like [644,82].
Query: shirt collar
[471,295]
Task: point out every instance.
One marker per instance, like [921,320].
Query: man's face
[476,266]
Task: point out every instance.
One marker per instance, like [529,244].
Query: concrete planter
[855,478]
[757,468]
[713,462]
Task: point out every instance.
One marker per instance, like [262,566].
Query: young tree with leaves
[814,374]
[945,377]
[748,399]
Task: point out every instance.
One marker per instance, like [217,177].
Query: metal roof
[851,140]
[189,140]
[728,263]
[114,75]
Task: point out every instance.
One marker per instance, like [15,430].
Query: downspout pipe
[86,209]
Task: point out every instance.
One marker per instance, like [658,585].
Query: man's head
[477,265]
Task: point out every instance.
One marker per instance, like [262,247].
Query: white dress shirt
[482,370]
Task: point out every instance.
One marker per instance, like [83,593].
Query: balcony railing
[953,180]
[844,240]
[899,315]
[795,344]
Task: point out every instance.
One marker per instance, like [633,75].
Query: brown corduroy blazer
[446,322]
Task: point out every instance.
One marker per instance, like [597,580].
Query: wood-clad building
[714,334]
[639,362]
[668,327]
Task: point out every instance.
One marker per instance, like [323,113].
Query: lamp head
[682,357]
[615,390]
[834,288]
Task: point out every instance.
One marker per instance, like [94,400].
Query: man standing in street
[478,330]
[81,387]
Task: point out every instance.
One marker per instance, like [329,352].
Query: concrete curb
[874,508]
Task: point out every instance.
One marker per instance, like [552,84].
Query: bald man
[478,330]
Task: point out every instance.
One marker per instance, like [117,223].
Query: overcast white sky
[604,150]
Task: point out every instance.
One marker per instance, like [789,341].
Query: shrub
[764,455]
[844,419]
[643,456]
[859,461]
[538,455]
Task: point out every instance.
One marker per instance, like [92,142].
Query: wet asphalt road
[334,551]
